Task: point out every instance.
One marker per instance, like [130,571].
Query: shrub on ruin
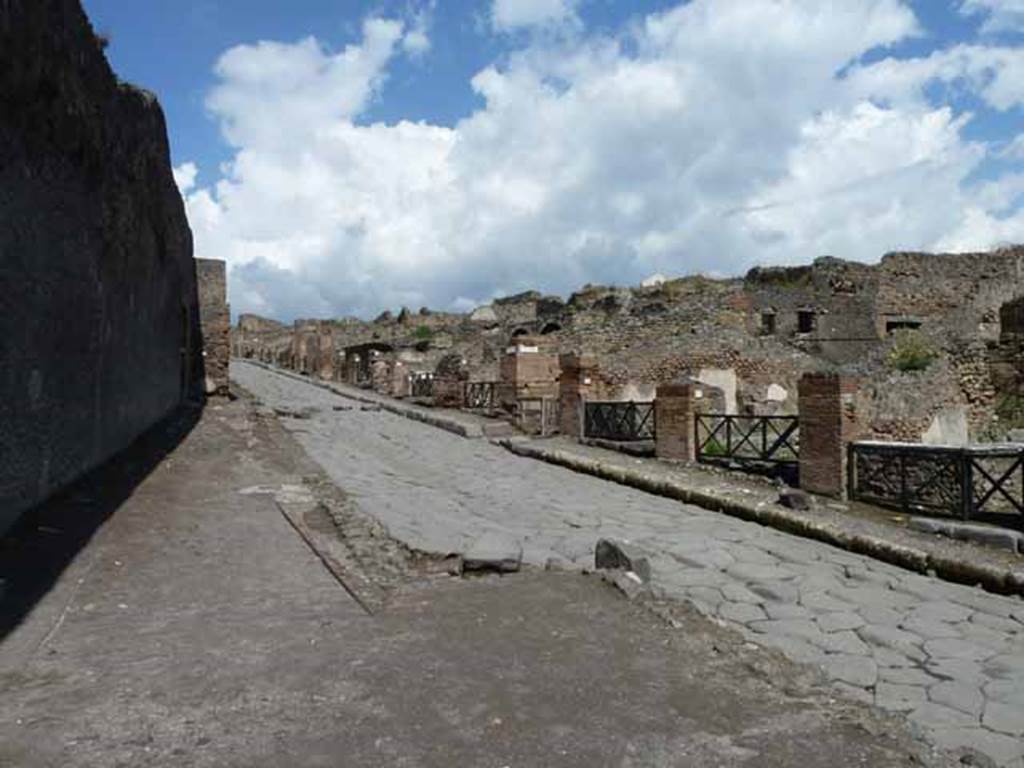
[423,332]
[911,351]
[1010,411]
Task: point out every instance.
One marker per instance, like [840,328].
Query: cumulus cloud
[518,14]
[1001,15]
[684,144]
[185,177]
[416,39]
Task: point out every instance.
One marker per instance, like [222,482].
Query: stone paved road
[951,657]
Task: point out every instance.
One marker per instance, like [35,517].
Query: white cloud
[1001,15]
[1014,150]
[275,94]
[517,14]
[185,177]
[995,74]
[416,40]
[690,146]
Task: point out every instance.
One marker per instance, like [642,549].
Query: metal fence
[969,481]
[620,421]
[480,395]
[773,439]
[538,415]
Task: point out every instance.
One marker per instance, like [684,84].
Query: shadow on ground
[35,551]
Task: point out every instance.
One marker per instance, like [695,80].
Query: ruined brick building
[921,331]
[99,328]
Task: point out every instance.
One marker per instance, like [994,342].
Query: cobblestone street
[951,657]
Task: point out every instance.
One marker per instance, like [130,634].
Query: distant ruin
[928,335]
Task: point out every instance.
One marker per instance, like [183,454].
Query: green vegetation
[713,448]
[782,277]
[911,351]
[423,332]
[1011,412]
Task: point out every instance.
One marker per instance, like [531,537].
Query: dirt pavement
[189,625]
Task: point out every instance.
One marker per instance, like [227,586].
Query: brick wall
[674,412]
[828,422]
[578,382]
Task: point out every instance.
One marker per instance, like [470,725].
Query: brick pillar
[674,413]
[449,392]
[401,384]
[828,422]
[325,355]
[576,383]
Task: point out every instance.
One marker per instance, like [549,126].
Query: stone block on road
[493,552]
[618,555]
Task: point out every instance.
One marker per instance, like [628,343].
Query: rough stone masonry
[215,322]
[99,325]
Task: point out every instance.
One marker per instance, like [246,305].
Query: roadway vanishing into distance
[948,656]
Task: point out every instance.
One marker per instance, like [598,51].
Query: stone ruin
[748,339]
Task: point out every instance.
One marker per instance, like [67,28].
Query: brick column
[576,383]
[325,355]
[828,422]
[449,392]
[674,413]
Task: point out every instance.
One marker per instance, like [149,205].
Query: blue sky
[171,46]
[730,107]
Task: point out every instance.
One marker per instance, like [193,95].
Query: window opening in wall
[550,328]
[901,324]
[806,321]
[768,323]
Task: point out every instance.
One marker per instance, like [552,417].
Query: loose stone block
[493,552]
[617,555]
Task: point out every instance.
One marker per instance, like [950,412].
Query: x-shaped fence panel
[619,421]
[774,439]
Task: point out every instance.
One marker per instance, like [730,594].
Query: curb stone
[994,579]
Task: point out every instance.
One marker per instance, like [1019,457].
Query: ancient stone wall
[754,337]
[215,323]
[99,325]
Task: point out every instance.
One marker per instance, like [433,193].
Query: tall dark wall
[99,335]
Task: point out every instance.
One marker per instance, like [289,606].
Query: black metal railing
[480,395]
[422,385]
[773,439]
[966,481]
[623,422]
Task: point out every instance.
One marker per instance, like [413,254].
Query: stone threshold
[955,561]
